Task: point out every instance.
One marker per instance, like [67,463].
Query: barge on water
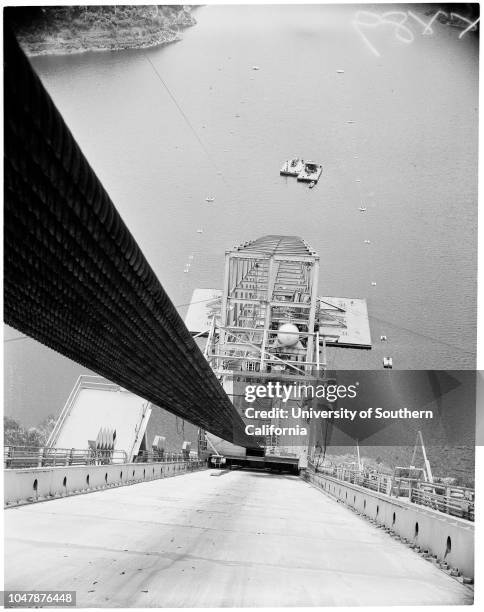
[306,172]
[311,173]
[292,167]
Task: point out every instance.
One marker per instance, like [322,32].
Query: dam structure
[130,503]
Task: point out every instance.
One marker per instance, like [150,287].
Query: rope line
[185,118]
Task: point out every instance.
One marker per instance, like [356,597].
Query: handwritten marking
[398,19]
[472,24]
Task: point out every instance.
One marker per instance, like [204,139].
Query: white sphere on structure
[288,334]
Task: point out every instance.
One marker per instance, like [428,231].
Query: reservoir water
[397,131]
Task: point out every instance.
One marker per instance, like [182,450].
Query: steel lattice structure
[268,282]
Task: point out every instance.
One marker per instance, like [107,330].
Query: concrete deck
[215,539]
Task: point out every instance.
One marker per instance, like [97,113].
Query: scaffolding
[267,327]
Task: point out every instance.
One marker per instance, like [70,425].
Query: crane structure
[267,329]
[267,326]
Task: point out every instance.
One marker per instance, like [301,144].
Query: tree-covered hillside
[73,29]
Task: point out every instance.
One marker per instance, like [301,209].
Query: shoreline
[76,30]
[59,50]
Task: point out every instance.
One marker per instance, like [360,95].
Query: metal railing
[15,457]
[376,481]
[152,456]
[449,499]
[457,501]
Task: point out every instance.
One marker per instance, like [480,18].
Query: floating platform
[292,167]
[310,173]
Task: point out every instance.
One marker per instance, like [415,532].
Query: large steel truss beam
[75,278]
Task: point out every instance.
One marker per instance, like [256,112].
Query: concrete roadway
[218,539]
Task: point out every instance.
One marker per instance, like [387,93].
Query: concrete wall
[174,429]
[41,484]
[103,405]
[95,402]
[420,525]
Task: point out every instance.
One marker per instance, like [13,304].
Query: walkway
[215,539]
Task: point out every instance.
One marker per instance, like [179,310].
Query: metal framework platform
[268,310]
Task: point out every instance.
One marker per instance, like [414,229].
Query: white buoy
[287,334]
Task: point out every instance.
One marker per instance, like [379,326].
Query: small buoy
[383,338]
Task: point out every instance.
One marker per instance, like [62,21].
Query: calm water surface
[413,147]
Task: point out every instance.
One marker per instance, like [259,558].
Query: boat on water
[210,199]
[312,184]
[362,209]
[292,167]
[340,71]
[310,173]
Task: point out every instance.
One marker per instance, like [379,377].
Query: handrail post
[40,456]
